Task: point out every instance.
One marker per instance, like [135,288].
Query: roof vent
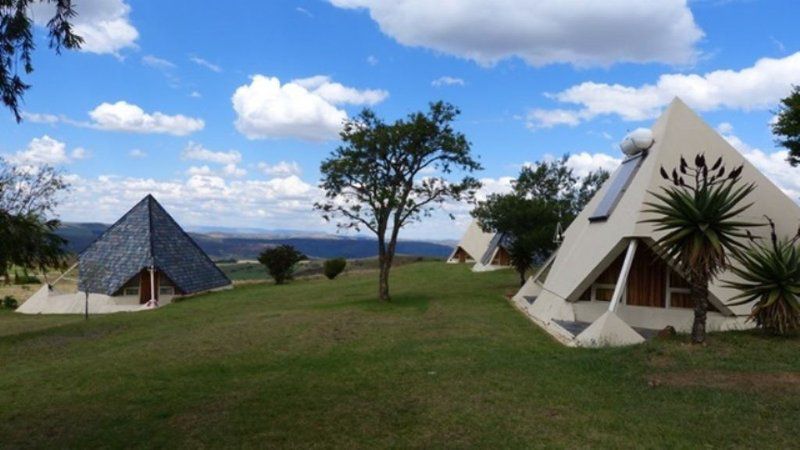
[636,141]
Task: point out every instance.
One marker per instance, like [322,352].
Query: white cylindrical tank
[636,141]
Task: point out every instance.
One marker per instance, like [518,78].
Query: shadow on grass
[402,302]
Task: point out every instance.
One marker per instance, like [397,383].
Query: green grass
[251,271]
[320,364]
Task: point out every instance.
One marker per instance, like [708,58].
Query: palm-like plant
[699,211]
[770,277]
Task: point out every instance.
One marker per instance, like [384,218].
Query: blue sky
[225,111]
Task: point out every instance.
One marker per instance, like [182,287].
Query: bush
[769,277]
[10,302]
[24,278]
[333,267]
[281,261]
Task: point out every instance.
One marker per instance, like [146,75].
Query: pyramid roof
[147,236]
[590,246]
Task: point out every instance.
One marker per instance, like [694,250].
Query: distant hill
[239,245]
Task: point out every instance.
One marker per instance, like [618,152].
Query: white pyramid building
[604,285]
[484,250]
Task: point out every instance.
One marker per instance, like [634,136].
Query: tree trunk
[384,264]
[521,277]
[383,282]
[699,294]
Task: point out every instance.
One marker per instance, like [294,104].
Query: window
[132,291]
[616,187]
[166,290]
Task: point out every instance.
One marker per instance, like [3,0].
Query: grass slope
[317,363]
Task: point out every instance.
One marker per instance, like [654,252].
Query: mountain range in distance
[222,243]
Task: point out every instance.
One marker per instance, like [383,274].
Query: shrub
[770,277]
[333,267]
[281,261]
[10,302]
[24,278]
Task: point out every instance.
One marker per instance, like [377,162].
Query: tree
[544,195]
[530,223]
[699,213]
[281,262]
[769,276]
[387,175]
[333,267]
[27,196]
[17,44]
[787,125]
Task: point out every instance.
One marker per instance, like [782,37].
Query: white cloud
[336,93]
[447,81]
[195,94]
[304,108]
[758,87]
[199,170]
[372,60]
[199,198]
[548,118]
[157,63]
[281,169]
[46,150]
[137,153]
[79,153]
[197,152]
[584,162]
[232,170]
[41,118]
[580,32]
[205,63]
[124,116]
[304,12]
[104,25]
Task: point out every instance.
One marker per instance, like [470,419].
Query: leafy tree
[530,222]
[770,277]
[787,125]
[382,177]
[27,196]
[333,267]
[544,195]
[699,212]
[17,44]
[281,262]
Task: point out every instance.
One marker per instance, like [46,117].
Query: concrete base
[608,331]
[478,267]
[45,301]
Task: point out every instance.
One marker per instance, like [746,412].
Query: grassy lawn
[252,271]
[318,363]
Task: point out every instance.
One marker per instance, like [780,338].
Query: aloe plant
[770,277]
[699,209]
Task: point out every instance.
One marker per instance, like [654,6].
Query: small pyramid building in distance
[486,251]
[605,285]
[144,260]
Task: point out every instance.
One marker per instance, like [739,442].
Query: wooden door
[144,286]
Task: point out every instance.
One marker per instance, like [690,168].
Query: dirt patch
[739,381]
[660,361]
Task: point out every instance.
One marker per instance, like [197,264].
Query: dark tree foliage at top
[27,236]
[787,125]
[385,176]
[17,44]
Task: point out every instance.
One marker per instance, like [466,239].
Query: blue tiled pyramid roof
[147,236]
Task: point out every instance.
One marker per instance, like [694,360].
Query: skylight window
[617,186]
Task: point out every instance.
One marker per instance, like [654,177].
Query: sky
[224,111]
